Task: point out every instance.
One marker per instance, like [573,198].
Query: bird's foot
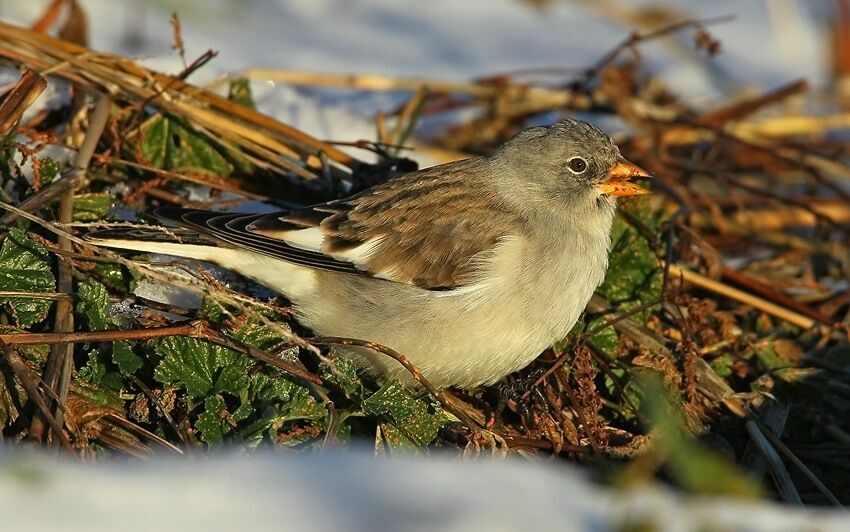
[515,395]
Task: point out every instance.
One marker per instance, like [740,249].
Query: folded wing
[426,229]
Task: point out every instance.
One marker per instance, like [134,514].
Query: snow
[767,43]
[353,491]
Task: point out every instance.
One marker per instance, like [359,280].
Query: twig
[46,195]
[161,407]
[739,110]
[797,462]
[199,179]
[178,37]
[563,380]
[277,145]
[709,383]
[546,445]
[54,296]
[769,293]
[208,333]
[190,329]
[130,426]
[637,38]
[552,97]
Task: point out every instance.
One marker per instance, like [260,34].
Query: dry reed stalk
[275,145]
[18,99]
[719,288]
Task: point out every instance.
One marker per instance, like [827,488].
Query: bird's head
[571,165]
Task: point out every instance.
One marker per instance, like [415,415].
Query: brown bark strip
[19,99]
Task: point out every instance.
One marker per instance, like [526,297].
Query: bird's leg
[515,392]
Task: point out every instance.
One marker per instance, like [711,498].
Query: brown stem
[60,361]
[155,400]
[47,195]
[739,110]
[546,445]
[636,38]
[22,372]
[211,335]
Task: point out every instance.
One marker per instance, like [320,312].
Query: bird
[469,269]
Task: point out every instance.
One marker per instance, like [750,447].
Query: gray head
[571,165]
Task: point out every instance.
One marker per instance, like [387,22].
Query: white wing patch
[310,239]
[359,255]
[313,239]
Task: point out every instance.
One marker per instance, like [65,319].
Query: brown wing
[423,228]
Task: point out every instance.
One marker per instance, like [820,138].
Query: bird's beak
[617,183]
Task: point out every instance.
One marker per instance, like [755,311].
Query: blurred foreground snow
[353,491]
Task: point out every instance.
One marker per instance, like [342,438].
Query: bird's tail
[292,280]
[150,239]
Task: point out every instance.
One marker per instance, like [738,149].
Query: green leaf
[99,395]
[768,355]
[49,170]
[394,439]
[266,399]
[167,143]
[723,365]
[210,309]
[240,92]
[211,426]
[290,402]
[112,273]
[256,334]
[124,357]
[344,375]
[91,207]
[409,415]
[201,367]
[94,305]
[96,372]
[605,339]
[24,267]
[633,274]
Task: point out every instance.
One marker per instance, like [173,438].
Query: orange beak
[618,184]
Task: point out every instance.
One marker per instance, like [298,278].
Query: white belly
[471,336]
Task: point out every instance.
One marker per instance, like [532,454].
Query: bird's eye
[577,165]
